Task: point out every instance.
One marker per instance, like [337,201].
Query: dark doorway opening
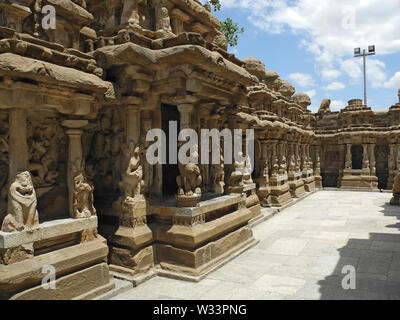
[357,157]
[329,180]
[382,166]
[170,171]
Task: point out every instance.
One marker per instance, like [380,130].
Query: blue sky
[311,42]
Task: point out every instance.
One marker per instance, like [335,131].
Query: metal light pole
[364,54]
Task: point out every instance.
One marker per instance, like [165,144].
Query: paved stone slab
[302,253]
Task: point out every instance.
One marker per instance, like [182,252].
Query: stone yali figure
[23,201]
[235,179]
[83,198]
[190,179]
[132,182]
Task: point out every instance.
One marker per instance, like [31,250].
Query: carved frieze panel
[48,154]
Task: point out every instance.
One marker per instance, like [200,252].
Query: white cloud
[335,86]
[394,82]
[311,93]
[330,30]
[337,105]
[352,68]
[302,79]
[330,74]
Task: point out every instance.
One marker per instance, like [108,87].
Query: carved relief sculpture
[234,180]
[83,202]
[189,182]
[218,176]
[22,205]
[83,198]
[132,182]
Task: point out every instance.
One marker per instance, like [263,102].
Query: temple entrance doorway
[382,166]
[357,157]
[170,171]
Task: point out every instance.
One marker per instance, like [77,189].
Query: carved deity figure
[22,204]
[132,182]
[130,13]
[83,198]
[165,21]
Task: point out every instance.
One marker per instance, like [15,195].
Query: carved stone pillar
[298,158]
[283,161]
[275,160]
[292,158]
[348,161]
[74,132]
[148,169]
[365,163]
[189,181]
[263,180]
[18,144]
[372,163]
[309,159]
[303,157]
[132,124]
[392,165]
[317,168]
[178,20]
[217,170]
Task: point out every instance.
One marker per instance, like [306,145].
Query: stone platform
[188,243]
[70,246]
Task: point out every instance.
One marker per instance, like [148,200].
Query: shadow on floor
[376,262]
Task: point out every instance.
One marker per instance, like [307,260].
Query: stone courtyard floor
[301,254]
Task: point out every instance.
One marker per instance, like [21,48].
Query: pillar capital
[185,99]
[185,107]
[74,125]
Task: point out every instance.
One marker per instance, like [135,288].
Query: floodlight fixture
[364,54]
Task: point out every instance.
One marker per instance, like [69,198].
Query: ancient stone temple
[359,147]
[78,99]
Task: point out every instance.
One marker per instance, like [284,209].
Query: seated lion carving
[22,197]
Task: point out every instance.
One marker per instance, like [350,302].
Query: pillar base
[197,239]
[186,263]
[252,201]
[184,201]
[280,191]
[318,182]
[359,182]
[296,185]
